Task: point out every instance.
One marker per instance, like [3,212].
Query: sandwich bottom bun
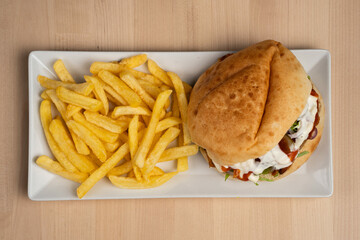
[309,146]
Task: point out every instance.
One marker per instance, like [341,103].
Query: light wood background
[179,25]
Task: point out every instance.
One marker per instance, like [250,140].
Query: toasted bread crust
[242,106]
[309,146]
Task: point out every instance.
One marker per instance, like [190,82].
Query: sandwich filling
[280,158]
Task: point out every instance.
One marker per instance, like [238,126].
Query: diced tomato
[236,173]
[314,93]
[245,176]
[292,155]
[225,169]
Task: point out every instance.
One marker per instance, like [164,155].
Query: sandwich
[256,113]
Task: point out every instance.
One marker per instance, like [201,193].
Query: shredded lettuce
[265,179]
[268,170]
[308,77]
[295,127]
[227,176]
[302,154]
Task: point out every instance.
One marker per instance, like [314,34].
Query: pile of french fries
[118,123]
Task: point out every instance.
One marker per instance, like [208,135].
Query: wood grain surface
[179,25]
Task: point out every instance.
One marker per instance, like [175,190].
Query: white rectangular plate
[313,179]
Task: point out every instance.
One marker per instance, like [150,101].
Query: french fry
[131,81]
[105,122]
[53,166]
[60,136]
[80,145]
[124,137]
[44,96]
[128,157]
[134,144]
[46,118]
[60,106]
[113,96]
[167,123]
[132,183]
[102,170]
[168,115]
[89,138]
[182,160]
[121,88]
[94,159]
[133,135]
[101,133]
[155,140]
[158,72]
[175,107]
[111,147]
[182,102]
[125,119]
[158,149]
[141,133]
[139,117]
[146,142]
[122,169]
[178,152]
[128,110]
[130,174]
[62,72]
[81,88]
[187,88]
[99,92]
[163,113]
[153,91]
[146,119]
[76,99]
[113,100]
[164,87]
[145,77]
[182,163]
[97,67]
[134,61]
[71,110]
[157,172]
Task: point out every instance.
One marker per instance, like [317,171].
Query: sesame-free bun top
[242,106]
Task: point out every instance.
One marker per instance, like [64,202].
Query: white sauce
[276,157]
[306,123]
[254,178]
[273,158]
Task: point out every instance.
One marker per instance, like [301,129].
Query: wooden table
[179,25]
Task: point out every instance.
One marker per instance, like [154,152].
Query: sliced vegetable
[227,176]
[313,134]
[265,179]
[302,154]
[295,127]
[268,170]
